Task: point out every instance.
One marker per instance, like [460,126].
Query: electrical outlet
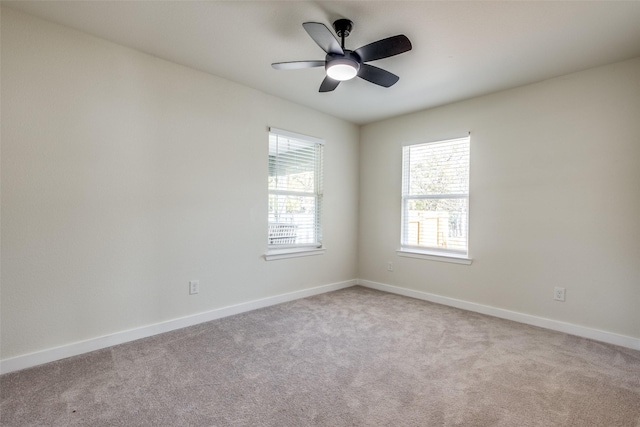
[194,287]
[390,266]
[558,293]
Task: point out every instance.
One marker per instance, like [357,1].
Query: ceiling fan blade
[384,48]
[377,75]
[323,36]
[328,84]
[294,65]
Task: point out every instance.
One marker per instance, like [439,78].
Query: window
[295,192]
[435,198]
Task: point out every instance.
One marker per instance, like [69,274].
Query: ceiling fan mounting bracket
[343,27]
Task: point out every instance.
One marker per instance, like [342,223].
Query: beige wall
[124,176]
[555,199]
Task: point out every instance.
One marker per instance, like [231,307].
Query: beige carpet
[354,357]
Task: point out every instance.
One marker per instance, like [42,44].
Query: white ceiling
[460,49]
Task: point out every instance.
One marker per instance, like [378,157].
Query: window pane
[292,220]
[439,168]
[292,164]
[437,223]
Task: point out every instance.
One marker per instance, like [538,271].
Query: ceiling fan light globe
[342,69]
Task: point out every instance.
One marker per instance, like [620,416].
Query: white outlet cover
[194,287]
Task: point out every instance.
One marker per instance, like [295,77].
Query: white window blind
[295,190]
[435,196]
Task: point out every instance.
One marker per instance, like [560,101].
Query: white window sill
[292,253]
[434,256]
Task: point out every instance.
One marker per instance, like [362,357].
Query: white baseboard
[77,348]
[555,325]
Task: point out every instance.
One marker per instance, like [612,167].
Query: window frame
[282,251]
[430,252]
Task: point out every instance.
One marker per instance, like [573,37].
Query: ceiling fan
[343,64]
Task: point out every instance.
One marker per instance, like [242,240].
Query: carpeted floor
[355,357]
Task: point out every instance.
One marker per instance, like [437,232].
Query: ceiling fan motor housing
[342,67]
